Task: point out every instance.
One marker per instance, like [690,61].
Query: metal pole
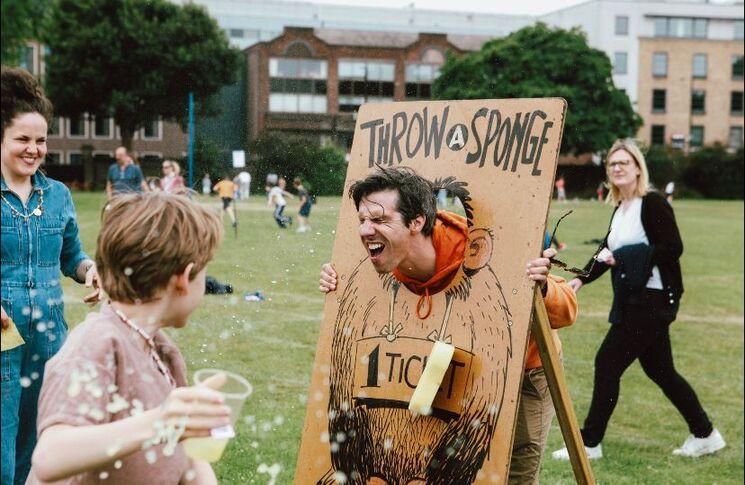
[191,139]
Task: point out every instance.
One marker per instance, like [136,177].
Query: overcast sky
[530,7]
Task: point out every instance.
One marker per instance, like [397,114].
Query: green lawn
[273,342]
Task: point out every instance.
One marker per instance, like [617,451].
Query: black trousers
[643,333]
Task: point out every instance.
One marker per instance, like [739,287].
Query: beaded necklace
[150,343]
[26,216]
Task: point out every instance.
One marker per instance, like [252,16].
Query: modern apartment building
[680,62]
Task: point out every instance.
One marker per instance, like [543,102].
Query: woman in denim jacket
[39,239]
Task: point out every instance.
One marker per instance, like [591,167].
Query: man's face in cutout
[383,232]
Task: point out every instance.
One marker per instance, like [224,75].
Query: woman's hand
[5,319]
[327,283]
[92,281]
[201,407]
[538,269]
[576,284]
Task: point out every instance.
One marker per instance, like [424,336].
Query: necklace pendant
[37,212]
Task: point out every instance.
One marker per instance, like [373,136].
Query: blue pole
[191,139]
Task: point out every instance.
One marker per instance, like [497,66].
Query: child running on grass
[226,190]
[114,404]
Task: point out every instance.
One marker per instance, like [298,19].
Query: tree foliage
[322,168]
[20,22]
[134,60]
[539,61]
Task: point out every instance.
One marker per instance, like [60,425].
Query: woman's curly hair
[21,93]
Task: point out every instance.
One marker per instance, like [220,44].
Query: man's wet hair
[416,195]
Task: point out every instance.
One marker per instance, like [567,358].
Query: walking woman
[39,239]
[642,249]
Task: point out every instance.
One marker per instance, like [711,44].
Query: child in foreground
[114,404]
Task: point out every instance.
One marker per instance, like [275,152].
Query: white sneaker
[593,453]
[694,447]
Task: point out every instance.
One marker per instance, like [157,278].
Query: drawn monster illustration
[373,436]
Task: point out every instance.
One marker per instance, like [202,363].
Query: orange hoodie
[449,240]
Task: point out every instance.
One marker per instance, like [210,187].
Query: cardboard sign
[239,158]
[499,157]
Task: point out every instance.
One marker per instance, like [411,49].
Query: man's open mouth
[375,248]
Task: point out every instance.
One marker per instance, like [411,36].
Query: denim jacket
[34,251]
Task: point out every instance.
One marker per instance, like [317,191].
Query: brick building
[311,81]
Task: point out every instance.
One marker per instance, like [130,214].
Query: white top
[244,177]
[276,195]
[626,229]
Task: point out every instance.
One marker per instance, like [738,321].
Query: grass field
[273,342]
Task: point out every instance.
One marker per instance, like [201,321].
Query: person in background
[276,197]
[305,205]
[116,399]
[244,184]
[600,191]
[40,240]
[669,190]
[226,188]
[124,175]
[206,184]
[561,195]
[642,249]
[172,180]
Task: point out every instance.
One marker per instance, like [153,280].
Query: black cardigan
[659,223]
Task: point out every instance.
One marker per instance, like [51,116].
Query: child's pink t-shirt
[103,373]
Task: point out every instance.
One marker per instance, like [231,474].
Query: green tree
[20,22]
[539,61]
[322,168]
[134,60]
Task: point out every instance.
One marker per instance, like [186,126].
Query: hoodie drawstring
[425,297]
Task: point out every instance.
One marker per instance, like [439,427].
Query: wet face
[623,171]
[24,145]
[382,230]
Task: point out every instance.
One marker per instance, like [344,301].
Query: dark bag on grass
[214,287]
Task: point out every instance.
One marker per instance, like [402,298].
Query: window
[658,134]
[620,61]
[152,130]
[736,103]
[26,61]
[659,64]
[364,81]
[698,101]
[684,27]
[102,159]
[297,85]
[700,65]
[236,33]
[738,30]
[737,66]
[622,25]
[54,129]
[419,78]
[735,137]
[696,138]
[74,158]
[53,158]
[76,126]
[102,127]
[659,100]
